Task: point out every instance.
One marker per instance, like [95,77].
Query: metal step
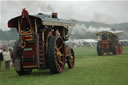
[40,39]
[40,46]
[41,54]
[40,49]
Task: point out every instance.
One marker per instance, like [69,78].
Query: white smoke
[79,28]
[94,30]
[82,29]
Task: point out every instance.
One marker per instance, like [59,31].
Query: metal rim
[72,58]
[60,54]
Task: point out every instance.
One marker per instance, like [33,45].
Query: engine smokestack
[54,15]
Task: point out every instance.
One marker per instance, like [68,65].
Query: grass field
[89,69]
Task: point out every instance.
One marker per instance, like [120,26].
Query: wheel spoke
[58,59]
[58,66]
[62,55]
[58,42]
[60,47]
[60,62]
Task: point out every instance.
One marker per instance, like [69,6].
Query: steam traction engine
[41,43]
[108,42]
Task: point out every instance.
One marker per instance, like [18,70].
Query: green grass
[89,69]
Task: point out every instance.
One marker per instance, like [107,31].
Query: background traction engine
[41,43]
[108,42]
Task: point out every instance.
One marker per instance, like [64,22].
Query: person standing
[1,58]
[11,55]
[7,59]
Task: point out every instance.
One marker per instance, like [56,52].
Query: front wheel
[56,54]
[71,59]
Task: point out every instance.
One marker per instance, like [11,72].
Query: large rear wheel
[100,51]
[56,54]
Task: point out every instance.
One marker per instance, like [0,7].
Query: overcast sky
[106,11]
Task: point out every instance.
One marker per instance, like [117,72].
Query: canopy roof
[118,33]
[48,20]
[42,19]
